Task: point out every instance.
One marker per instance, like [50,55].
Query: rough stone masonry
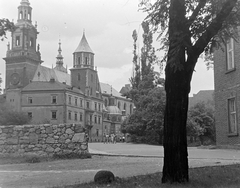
[43,139]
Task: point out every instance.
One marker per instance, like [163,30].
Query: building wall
[227,85]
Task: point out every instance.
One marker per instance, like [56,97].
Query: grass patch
[72,156]
[204,177]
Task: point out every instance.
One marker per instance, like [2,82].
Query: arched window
[21,15]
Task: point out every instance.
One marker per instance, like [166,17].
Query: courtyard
[123,159]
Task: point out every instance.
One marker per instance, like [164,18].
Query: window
[54,99]
[79,77]
[95,104]
[99,119]
[230,55]
[90,91]
[95,119]
[76,101]
[17,43]
[81,103]
[30,100]
[97,132]
[69,99]
[30,115]
[79,60]
[69,115]
[54,114]
[91,119]
[88,106]
[232,117]
[124,106]
[86,60]
[75,116]
[81,117]
[119,105]
[99,107]
[31,42]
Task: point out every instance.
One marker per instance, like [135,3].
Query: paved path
[131,160]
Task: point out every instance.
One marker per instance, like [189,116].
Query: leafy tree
[5,25]
[146,123]
[8,116]
[200,122]
[190,27]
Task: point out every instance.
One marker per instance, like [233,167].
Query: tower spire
[59,62]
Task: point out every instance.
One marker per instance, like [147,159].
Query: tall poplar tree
[190,27]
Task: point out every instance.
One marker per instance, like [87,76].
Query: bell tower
[83,74]
[23,55]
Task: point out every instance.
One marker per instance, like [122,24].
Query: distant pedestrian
[104,138]
[107,137]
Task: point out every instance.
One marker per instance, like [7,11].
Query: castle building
[52,95]
[227,90]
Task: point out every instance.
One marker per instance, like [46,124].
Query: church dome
[113,110]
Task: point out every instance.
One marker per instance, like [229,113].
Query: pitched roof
[48,86]
[45,74]
[83,45]
[107,89]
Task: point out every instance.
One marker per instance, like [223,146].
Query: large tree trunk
[175,167]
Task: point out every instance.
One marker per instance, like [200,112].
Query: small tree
[5,25]
[201,122]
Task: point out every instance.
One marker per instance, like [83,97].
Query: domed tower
[23,57]
[59,63]
[83,74]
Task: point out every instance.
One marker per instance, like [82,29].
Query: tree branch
[200,5]
[214,27]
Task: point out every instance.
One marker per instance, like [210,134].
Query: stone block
[13,140]
[33,138]
[50,140]
[78,137]
[49,130]
[69,131]
[49,149]
[67,141]
[78,128]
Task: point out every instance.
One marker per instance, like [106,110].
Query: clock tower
[23,56]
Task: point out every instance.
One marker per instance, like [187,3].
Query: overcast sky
[108,26]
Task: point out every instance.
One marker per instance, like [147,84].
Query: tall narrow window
[17,41]
[81,116]
[79,60]
[76,101]
[54,99]
[75,116]
[99,119]
[97,132]
[79,77]
[81,103]
[230,54]
[95,119]
[232,116]
[88,106]
[95,105]
[69,99]
[54,114]
[86,60]
[124,106]
[99,107]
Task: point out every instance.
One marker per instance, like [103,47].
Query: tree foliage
[201,122]
[5,25]
[8,116]
[146,123]
[187,29]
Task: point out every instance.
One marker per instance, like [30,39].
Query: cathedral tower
[59,62]
[23,56]
[83,74]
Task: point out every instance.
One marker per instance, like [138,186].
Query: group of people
[109,138]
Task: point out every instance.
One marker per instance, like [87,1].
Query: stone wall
[44,139]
